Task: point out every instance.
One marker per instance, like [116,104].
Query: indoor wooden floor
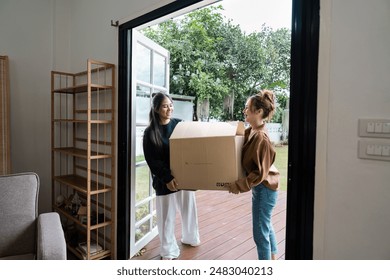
[225,229]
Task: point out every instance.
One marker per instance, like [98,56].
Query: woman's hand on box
[172,185]
[233,188]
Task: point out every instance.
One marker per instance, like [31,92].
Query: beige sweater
[258,156]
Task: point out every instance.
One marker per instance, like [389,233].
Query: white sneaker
[188,244]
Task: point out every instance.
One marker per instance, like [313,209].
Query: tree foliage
[213,59]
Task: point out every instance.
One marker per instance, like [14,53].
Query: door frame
[302,126]
[302,129]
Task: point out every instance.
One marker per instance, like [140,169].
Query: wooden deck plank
[225,227]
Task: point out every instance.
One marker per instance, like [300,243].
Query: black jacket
[158,158]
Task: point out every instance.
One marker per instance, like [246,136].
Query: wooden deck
[225,224]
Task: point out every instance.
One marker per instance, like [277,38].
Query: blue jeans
[263,202]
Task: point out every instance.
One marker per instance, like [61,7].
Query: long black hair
[154,118]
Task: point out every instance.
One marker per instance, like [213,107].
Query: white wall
[93,36]
[352,195]
[26,37]
[44,35]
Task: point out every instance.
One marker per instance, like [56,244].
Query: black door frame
[302,127]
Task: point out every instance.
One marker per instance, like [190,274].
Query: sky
[251,14]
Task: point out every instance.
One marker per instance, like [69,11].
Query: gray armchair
[24,234]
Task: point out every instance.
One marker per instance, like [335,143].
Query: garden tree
[213,59]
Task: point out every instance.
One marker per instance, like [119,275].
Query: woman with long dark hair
[168,196]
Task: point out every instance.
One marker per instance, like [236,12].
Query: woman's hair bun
[269,95]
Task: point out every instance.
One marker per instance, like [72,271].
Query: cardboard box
[206,155]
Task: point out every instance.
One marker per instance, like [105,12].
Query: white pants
[185,203]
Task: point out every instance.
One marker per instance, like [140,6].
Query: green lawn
[281,165]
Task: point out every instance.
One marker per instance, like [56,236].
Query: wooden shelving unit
[83,158]
[5,147]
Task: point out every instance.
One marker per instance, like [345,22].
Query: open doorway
[126,177]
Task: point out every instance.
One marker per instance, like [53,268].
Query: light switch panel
[370,127]
[386,127]
[386,150]
[374,128]
[374,149]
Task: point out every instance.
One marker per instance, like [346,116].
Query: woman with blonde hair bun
[262,177]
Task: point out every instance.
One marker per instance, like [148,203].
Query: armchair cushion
[19,208]
[51,241]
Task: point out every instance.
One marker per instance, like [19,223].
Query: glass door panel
[159,75]
[142,182]
[143,104]
[143,58]
[150,73]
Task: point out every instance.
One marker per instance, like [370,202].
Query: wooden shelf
[81,153]
[106,143]
[95,111]
[80,184]
[75,220]
[96,256]
[83,121]
[81,89]
[72,164]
